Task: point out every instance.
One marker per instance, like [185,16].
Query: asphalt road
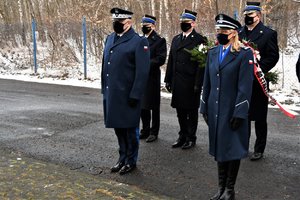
[64,125]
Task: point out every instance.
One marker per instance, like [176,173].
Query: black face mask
[222,38]
[185,26]
[249,20]
[118,27]
[146,29]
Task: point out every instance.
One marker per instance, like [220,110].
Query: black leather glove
[168,87]
[235,123]
[205,117]
[132,102]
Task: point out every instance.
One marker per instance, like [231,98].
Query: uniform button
[216,101]
[217,88]
[106,87]
[108,63]
[107,74]
[216,115]
[111,51]
[218,74]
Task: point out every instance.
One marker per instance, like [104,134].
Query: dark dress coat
[298,68]
[183,74]
[158,54]
[266,41]
[226,94]
[125,70]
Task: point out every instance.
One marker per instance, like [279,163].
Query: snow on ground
[14,64]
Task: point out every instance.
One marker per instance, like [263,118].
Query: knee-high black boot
[222,176]
[232,172]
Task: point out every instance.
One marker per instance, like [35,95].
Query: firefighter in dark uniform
[151,98]
[266,41]
[125,69]
[225,103]
[184,79]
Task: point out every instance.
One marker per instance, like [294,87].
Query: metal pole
[34,45]
[282,63]
[235,14]
[84,46]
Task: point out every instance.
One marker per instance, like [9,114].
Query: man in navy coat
[151,98]
[266,41]
[184,79]
[125,69]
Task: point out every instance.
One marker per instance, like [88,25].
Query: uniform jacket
[124,75]
[183,74]
[266,41]
[226,93]
[158,54]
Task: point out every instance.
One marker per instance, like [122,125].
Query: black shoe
[256,156]
[188,145]
[151,138]
[144,134]
[117,167]
[178,143]
[127,168]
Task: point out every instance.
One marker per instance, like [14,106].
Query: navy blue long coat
[125,70]
[227,93]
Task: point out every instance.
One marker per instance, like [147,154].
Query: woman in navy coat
[225,102]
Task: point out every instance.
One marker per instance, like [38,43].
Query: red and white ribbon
[263,83]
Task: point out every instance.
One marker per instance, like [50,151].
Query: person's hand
[205,117]
[168,87]
[132,102]
[235,123]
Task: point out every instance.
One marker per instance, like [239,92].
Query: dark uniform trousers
[261,129]
[146,119]
[188,122]
[260,125]
[128,139]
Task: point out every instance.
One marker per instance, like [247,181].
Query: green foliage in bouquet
[199,53]
[272,77]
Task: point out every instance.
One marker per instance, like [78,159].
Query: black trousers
[128,139]
[147,116]
[261,130]
[188,122]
